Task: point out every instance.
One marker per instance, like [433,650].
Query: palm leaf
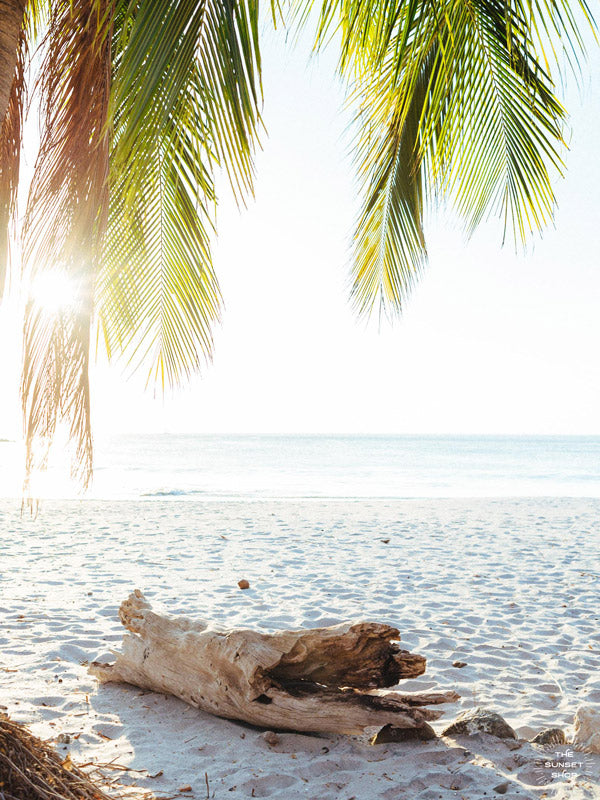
[10,157]
[485,131]
[389,244]
[33,15]
[159,292]
[64,225]
[185,103]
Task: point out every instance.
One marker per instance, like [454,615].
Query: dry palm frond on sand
[31,770]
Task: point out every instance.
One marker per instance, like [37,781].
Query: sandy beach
[509,587]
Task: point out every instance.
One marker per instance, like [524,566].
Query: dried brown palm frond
[31,770]
[10,155]
[65,221]
[11,23]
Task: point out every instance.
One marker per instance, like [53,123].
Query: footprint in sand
[270,784]
[297,743]
[48,700]
[108,730]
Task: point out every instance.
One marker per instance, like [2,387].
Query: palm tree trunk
[11,20]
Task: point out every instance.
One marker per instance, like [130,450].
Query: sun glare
[54,292]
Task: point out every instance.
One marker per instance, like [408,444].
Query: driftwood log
[320,680]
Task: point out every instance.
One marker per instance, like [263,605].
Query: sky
[491,341]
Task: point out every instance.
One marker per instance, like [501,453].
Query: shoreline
[196,496]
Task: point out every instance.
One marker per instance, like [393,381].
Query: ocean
[255,467]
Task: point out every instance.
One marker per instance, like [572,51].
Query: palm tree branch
[186,96]
[64,225]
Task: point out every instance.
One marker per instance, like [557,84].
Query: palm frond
[10,157]
[12,18]
[389,243]
[558,28]
[66,216]
[37,13]
[159,293]
[185,103]
[494,127]
[488,133]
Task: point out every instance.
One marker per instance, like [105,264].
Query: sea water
[254,467]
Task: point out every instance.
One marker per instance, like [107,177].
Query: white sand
[512,587]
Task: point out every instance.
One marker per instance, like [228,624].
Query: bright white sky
[491,342]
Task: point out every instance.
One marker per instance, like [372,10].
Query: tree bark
[11,22]
[320,680]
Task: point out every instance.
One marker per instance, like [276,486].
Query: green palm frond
[389,244]
[146,102]
[158,290]
[494,126]
[454,99]
[185,103]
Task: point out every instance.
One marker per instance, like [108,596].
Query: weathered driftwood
[325,679]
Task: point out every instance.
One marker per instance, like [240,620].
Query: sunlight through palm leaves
[67,207]
[145,101]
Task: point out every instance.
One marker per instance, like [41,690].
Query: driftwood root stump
[321,680]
